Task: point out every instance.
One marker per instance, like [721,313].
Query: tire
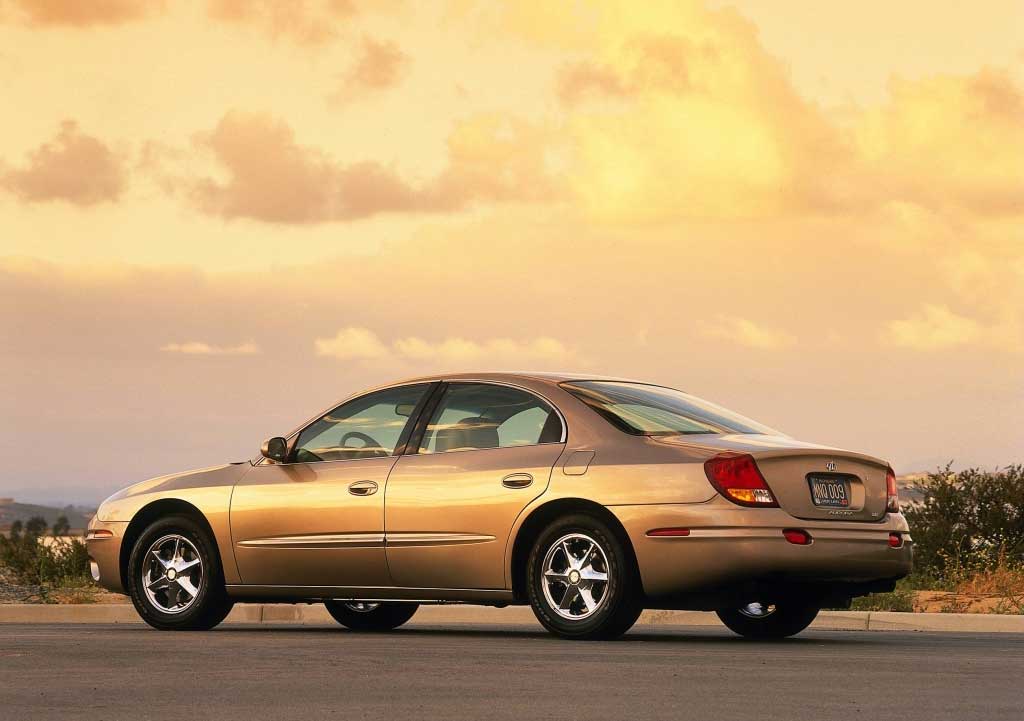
[183,595]
[587,608]
[787,618]
[364,616]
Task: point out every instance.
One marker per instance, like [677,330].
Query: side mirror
[276,449]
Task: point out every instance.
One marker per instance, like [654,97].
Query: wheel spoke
[185,583]
[556,576]
[588,599]
[570,595]
[177,550]
[569,558]
[585,561]
[590,574]
[158,557]
[186,565]
[158,584]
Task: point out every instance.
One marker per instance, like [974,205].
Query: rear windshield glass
[649,410]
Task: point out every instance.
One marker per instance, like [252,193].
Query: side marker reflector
[668,532]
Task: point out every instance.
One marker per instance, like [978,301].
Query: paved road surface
[514,672]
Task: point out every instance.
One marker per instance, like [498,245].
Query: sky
[218,217]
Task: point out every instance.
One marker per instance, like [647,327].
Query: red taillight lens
[895,540]
[892,501]
[736,476]
[795,535]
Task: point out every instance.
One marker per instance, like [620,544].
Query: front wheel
[581,580]
[370,616]
[175,578]
[765,621]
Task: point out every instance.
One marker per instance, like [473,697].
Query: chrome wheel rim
[172,574]
[361,606]
[575,580]
[757,609]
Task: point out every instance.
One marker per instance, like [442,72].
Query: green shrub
[31,561]
[968,522]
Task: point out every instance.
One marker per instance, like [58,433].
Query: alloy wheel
[757,609]
[575,582]
[172,574]
[361,606]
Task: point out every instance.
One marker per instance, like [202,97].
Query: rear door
[483,453]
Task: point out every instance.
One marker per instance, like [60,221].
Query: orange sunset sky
[217,216]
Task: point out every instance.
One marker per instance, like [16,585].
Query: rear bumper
[731,548]
[105,553]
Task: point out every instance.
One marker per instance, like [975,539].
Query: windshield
[649,410]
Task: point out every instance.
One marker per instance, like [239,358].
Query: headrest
[473,432]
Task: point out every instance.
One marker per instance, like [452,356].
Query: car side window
[473,416]
[366,427]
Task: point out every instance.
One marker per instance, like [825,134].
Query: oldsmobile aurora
[588,499]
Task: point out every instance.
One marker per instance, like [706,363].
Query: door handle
[362,488]
[517,480]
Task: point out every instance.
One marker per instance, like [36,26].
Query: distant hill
[11,511]
[906,484]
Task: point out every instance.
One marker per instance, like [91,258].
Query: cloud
[934,327]
[742,331]
[200,348]
[692,114]
[352,344]
[948,141]
[272,178]
[379,65]
[678,111]
[82,13]
[73,167]
[355,343]
[306,22]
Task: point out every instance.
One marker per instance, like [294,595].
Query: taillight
[736,476]
[895,540]
[892,500]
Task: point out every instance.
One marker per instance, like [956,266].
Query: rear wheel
[175,578]
[764,620]
[581,581]
[370,616]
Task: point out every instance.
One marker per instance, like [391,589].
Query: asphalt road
[484,672]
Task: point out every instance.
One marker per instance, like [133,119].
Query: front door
[486,452]
[318,520]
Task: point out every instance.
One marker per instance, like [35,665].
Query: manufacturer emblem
[830,466]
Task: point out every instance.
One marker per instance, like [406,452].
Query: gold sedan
[590,499]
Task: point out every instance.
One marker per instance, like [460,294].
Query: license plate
[829,492]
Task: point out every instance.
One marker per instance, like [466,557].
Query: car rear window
[649,410]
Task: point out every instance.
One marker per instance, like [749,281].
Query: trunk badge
[830,466]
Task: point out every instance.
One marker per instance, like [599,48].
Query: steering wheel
[368,442]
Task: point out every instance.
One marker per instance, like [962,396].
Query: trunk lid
[790,467]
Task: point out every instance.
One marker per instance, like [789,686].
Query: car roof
[552,377]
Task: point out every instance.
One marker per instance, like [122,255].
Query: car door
[318,520]
[485,452]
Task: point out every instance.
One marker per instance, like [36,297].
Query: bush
[969,522]
[31,561]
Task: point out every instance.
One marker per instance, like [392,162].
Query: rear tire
[582,583]
[175,579]
[767,621]
[367,616]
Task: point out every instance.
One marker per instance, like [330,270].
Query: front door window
[368,427]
